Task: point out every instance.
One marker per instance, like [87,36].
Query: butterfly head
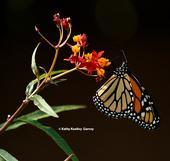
[122,69]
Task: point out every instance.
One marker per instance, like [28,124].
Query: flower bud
[56,19]
[65,22]
[36,29]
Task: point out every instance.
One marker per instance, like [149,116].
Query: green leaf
[36,115]
[31,84]
[5,156]
[30,88]
[43,105]
[54,135]
[33,62]
[55,82]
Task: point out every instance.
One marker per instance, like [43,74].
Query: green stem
[46,79]
[53,63]
[61,36]
[42,84]
[69,157]
[27,100]
[86,74]
[17,112]
[46,39]
[64,73]
[68,36]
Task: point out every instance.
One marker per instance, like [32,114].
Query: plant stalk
[17,112]
[53,63]
[27,100]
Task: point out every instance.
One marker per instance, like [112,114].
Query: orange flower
[103,62]
[80,39]
[100,72]
[88,57]
[75,49]
[77,38]
[91,62]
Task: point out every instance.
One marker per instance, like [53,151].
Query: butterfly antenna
[115,58]
[124,55]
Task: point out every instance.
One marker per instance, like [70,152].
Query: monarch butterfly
[122,96]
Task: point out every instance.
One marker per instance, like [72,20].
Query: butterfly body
[122,96]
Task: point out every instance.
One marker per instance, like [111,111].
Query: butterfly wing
[115,97]
[144,112]
[123,96]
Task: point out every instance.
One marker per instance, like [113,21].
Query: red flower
[81,40]
[73,59]
[65,22]
[91,62]
[56,19]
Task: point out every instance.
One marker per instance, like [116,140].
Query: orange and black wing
[115,97]
[144,112]
[122,96]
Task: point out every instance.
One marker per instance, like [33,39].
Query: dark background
[140,27]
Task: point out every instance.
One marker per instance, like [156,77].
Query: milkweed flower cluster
[61,21]
[91,61]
